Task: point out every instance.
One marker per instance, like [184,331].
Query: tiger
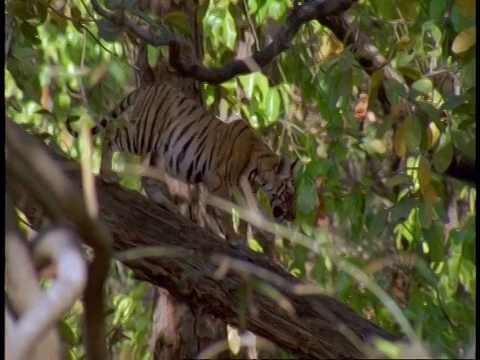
[191,144]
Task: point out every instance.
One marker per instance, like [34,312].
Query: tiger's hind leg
[233,237]
[155,188]
[106,172]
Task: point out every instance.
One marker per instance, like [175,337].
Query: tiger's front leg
[106,172]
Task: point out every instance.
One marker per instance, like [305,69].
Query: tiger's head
[277,179]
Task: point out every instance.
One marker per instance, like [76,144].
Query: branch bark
[308,326]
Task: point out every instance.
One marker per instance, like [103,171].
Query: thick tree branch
[299,15]
[309,326]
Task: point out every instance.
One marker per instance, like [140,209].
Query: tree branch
[299,15]
[312,326]
[308,11]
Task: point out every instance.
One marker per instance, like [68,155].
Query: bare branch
[299,15]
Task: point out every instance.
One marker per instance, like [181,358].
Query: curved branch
[299,15]
[32,334]
[27,152]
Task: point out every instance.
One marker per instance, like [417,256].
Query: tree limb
[299,15]
[312,326]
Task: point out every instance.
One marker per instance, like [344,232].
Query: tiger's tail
[121,107]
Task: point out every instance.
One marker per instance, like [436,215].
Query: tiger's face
[283,201]
[279,184]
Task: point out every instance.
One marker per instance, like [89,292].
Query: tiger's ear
[286,167]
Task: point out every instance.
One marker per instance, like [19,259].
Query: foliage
[64,62]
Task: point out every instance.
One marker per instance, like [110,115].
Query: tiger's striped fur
[191,144]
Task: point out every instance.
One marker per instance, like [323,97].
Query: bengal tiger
[193,145]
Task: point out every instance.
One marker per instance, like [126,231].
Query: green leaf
[399,179]
[424,173]
[432,112]
[454,101]
[426,214]
[403,60]
[178,20]
[426,273]
[465,142]
[402,209]
[67,334]
[317,167]
[413,137]
[409,9]
[377,225]
[437,9]
[108,31]
[423,86]
[272,105]
[306,196]
[30,33]
[399,138]
[277,9]
[467,273]
[229,31]
[77,15]
[395,90]
[374,146]
[409,71]
[443,155]
[346,82]
[433,235]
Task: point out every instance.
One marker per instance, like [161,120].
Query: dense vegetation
[383,188]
